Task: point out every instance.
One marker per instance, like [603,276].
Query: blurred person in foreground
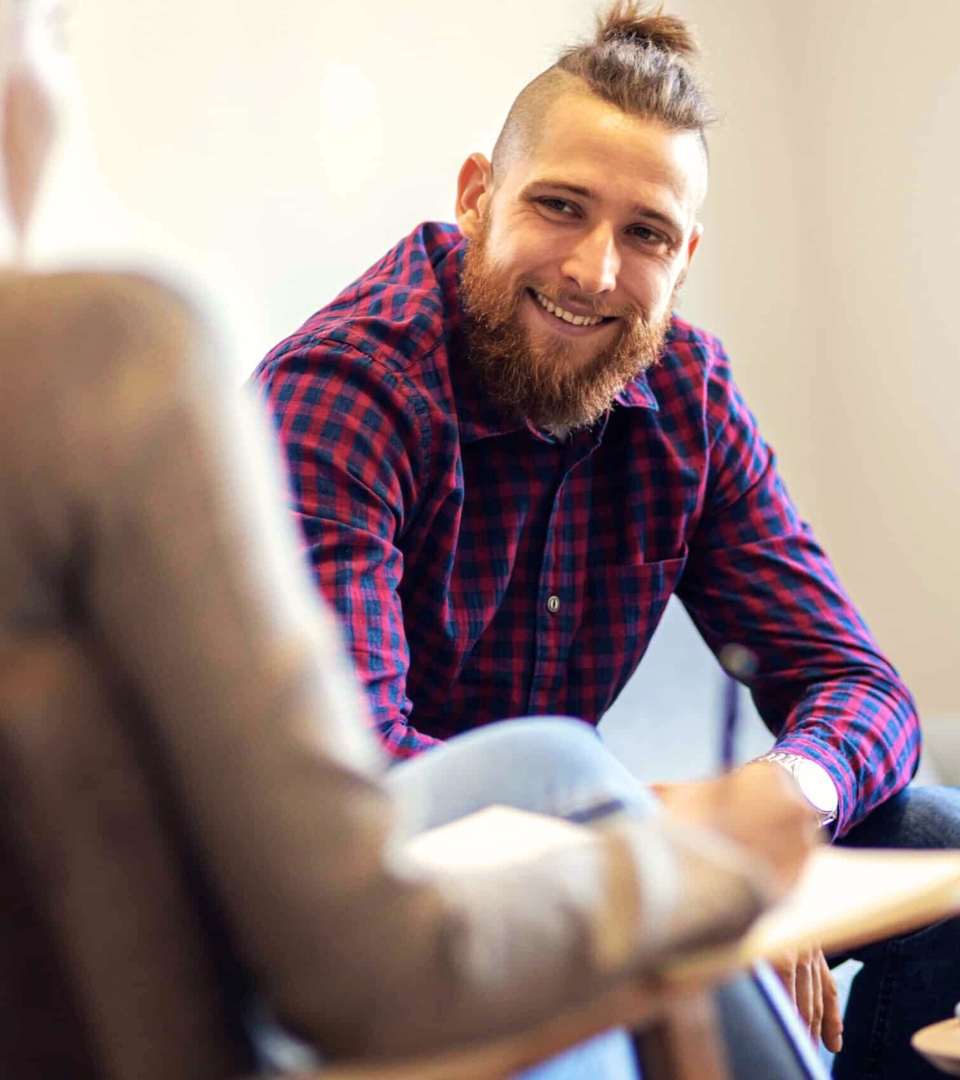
[507,453]
[139,525]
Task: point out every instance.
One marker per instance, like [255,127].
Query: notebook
[845,897]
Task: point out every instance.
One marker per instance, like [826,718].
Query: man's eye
[558,206]
[645,235]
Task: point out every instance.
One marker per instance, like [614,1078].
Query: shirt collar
[638,395]
[478,416]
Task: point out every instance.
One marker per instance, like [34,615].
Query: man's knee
[572,752]
[551,754]
[916,817]
[557,736]
[563,743]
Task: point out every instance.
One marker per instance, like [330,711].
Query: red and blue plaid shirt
[483,570]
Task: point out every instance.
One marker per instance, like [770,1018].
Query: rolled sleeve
[757,577]
[354,441]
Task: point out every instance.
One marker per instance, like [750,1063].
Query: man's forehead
[591,143]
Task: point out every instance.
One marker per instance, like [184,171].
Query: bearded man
[507,453]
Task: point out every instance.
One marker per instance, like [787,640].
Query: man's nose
[594,262]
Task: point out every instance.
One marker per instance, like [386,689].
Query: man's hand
[760,808]
[809,982]
[757,806]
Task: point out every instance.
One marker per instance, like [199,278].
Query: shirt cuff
[836,767]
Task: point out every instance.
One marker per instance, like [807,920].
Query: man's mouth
[570,317]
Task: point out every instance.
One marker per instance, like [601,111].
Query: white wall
[878,123]
[272,151]
[277,149]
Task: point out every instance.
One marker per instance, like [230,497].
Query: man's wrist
[813,782]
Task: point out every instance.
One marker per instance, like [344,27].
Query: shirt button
[553,605]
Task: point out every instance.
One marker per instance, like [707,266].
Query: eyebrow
[587,193]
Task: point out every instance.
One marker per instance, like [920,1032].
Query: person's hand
[757,806]
[810,983]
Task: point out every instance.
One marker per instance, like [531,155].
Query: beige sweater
[141,511]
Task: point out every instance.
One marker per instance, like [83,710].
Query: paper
[845,898]
[494,837]
[850,896]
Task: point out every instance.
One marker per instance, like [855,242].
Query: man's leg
[551,765]
[561,767]
[911,981]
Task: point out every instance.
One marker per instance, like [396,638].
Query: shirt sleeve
[757,577]
[356,440]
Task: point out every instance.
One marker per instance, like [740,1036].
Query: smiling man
[569,284]
[507,453]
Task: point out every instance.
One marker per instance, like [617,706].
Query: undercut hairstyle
[641,61]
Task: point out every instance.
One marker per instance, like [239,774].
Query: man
[143,556]
[507,454]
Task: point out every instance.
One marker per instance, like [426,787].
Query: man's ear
[692,244]
[474,187]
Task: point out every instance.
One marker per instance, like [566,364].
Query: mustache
[595,308]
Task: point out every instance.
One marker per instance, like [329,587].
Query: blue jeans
[910,981]
[561,767]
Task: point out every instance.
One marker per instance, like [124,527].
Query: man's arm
[757,577]
[356,441]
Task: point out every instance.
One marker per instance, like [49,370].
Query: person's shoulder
[101,315]
[689,346]
[113,297]
[95,357]
[397,312]
[692,359]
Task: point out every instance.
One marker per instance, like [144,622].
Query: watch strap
[793,763]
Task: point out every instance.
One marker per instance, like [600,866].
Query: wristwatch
[813,780]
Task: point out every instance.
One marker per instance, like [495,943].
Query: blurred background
[265,154]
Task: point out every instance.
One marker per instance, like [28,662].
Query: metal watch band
[793,763]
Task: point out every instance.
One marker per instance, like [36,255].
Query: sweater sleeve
[153,494]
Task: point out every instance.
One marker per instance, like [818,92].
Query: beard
[543,383]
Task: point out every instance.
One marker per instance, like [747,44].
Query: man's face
[598,222]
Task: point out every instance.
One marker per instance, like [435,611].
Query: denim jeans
[561,767]
[910,981]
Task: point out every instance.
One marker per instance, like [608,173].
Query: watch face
[817,787]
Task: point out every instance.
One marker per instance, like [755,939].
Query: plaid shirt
[484,570]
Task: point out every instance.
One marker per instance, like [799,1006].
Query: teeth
[567,316]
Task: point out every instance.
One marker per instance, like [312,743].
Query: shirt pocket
[624,608]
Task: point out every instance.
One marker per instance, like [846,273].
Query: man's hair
[641,61]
